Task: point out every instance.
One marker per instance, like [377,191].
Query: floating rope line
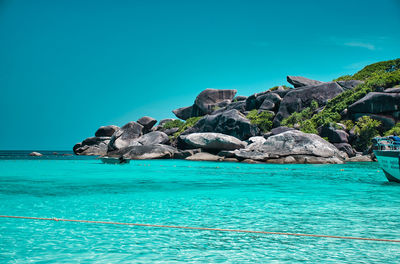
[202,228]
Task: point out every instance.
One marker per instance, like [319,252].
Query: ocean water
[345,200]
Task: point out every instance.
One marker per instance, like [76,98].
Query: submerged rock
[204,156]
[35,154]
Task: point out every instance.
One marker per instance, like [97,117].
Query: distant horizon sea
[353,199]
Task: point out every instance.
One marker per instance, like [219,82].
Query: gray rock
[334,135]
[93,146]
[171,131]
[292,143]
[183,112]
[213,141]
[254,101]
[157,151]
[35,154]
[345,147]
[366,158]
[392,90]
[240,106]
[163,121]
[271,102]
[376,103]
[204,156]
[347,85]
[298,81]
[183,154]
[106,131]
[239,98]
[208,99]
[230,122]
[147,122]
[126,136]
[153,138]
[298,99]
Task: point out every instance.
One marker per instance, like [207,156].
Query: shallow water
[345,200]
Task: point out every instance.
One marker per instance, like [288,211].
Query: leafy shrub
[348,124]
[173,124]
[263,120]
[394,130]
[298,117]
[366,128]
[188,124]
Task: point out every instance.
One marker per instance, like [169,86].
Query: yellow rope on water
[202,228]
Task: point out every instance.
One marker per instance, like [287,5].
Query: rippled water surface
[346,200]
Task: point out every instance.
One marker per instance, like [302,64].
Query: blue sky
[68,67]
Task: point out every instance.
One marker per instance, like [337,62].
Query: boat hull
[389,160]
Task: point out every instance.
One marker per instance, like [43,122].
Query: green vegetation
[376,76]
[263,120]
[300,117]
[348,124]
[188,124]
[366,128]
[283,86]
[173,124]
[394,130]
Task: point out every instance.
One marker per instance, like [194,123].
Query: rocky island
[310,122]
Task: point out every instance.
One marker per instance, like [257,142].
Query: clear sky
[68,67]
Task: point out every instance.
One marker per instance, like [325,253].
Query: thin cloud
[356,44]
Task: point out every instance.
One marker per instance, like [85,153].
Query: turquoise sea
[345,200]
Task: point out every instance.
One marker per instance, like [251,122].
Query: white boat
[387,152]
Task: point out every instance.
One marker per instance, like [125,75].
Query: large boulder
[277,130]
[183,112]
[106,131]
[346,148]
[376,102]
[93,146]
[298,81]
[157,151]
[271,102]
[334,135]
[298,143]
[230,122]
[153,138]
[147,122]
[254,101]
[302,147]
[126,136]
[298,99]
[209,99]
[213,141]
